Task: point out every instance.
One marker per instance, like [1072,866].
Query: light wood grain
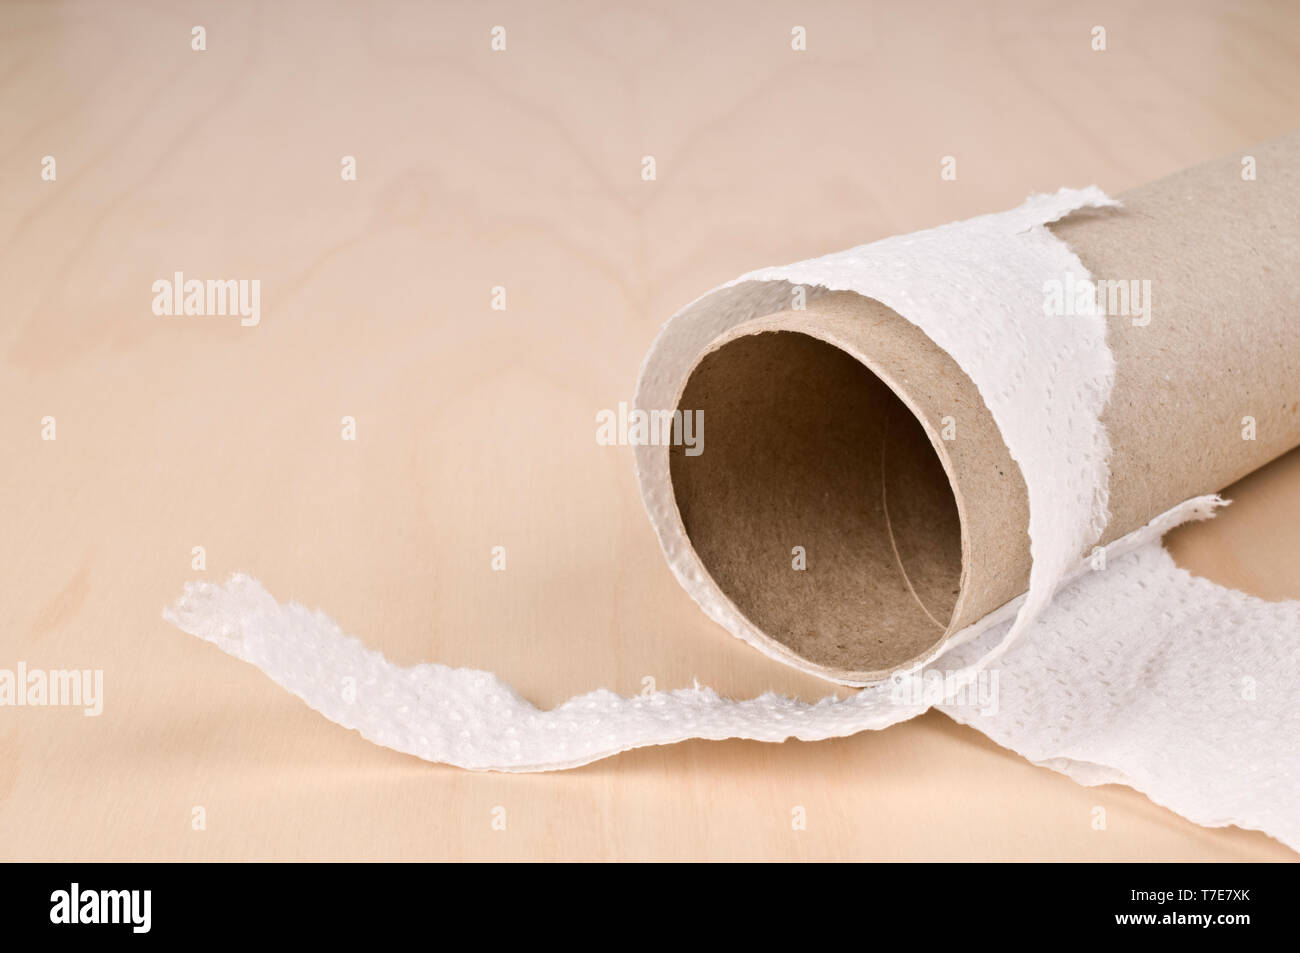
[475,427]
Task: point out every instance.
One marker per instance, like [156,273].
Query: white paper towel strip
[1147,676]
[1203,724]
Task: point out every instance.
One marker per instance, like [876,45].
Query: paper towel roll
[840,437]
[899,458]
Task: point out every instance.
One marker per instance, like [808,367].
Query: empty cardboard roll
[856,503]
[828,505]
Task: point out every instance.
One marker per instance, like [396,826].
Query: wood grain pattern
[475,427]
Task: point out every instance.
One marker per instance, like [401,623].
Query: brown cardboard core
[809,460]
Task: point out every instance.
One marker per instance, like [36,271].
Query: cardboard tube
[841,436]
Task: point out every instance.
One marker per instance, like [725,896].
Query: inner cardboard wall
[805,447]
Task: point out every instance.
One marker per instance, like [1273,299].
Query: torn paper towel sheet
[1148,676]
[1201,724]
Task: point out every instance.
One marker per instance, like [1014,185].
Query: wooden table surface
[519,169]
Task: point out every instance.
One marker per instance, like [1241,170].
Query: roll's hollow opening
[817,503]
